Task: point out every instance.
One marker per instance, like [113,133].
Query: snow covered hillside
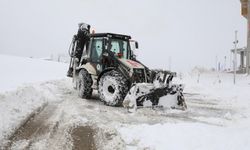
[16,71]
[40,110]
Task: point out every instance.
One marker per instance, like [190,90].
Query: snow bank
[16,71]
[17,104]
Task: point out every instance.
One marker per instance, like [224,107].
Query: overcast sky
[191,32]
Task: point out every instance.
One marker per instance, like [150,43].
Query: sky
[171,34]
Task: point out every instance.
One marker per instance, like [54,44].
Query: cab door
[96,50]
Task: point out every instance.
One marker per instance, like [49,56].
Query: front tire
[112,88]
[84,83]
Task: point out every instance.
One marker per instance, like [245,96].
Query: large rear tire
[112,88]
[84,83]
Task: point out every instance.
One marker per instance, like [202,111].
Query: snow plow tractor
[106,62]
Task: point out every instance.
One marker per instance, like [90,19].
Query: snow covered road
[48,114]
[65,121]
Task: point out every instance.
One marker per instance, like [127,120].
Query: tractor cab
[118,44]
[103,49]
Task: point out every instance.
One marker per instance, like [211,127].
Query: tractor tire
[112,88]
[84,83]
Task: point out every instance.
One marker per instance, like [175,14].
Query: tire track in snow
[35,127]
[57,126]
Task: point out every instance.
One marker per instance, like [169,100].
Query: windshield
[120,47]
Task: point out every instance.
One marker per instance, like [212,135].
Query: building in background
[242,53]
[245,12]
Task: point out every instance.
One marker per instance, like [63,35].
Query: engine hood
[131,64]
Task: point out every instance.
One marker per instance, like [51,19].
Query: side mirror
[136,45]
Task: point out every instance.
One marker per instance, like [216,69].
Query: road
[74,123]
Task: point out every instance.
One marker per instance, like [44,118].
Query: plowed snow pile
[18,99]
[46,113]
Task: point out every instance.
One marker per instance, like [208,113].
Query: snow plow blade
[161,93]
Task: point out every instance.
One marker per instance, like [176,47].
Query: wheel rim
[110,89]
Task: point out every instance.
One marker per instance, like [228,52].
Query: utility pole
[225,63]
[169,63]
[216,63]
[235,56]
[231,68]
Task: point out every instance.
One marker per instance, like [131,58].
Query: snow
[168,101]
[218,114]
[220,86]
[17,71]
[186,136]
[17,101]
[231,131]
[130,99]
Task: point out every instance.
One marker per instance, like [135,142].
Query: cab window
[96,49]
[121,47]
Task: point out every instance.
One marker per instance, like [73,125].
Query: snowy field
[40,110]
[17,71]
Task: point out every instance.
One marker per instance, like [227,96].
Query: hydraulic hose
[71,47]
